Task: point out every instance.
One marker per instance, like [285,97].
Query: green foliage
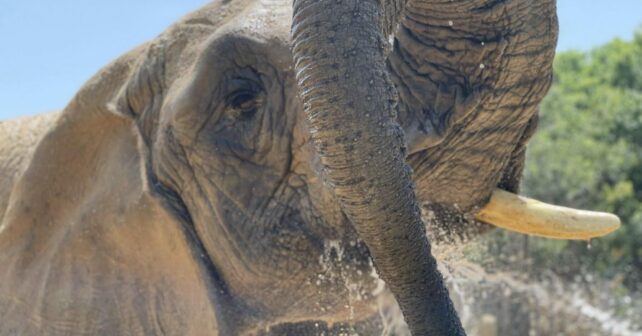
[588,154]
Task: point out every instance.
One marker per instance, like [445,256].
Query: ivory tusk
[528,216]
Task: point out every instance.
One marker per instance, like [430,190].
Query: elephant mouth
[502,208]
[509,211]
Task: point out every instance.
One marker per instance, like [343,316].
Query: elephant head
[293,143]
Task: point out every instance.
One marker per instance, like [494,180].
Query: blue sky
[50,48]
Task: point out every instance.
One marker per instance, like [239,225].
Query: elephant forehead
[269,18]
[263,24]
[275,16]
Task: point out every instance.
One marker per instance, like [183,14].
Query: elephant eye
[244,103]
[243,100]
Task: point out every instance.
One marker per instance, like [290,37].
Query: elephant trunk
[350,101]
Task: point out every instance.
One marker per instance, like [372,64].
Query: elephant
[264,163]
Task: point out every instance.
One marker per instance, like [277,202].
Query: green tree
[588,154]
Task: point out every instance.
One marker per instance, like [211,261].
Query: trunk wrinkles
[339,52]
[471,74]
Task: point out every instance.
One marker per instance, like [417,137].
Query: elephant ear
[140,94]
[77,148]
[83,244]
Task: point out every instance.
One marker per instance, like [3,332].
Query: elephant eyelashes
[245,99]
[245,103]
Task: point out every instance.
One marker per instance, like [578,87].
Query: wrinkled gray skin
[234,229]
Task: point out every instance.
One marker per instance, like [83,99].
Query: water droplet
[588,244]
[482,43]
